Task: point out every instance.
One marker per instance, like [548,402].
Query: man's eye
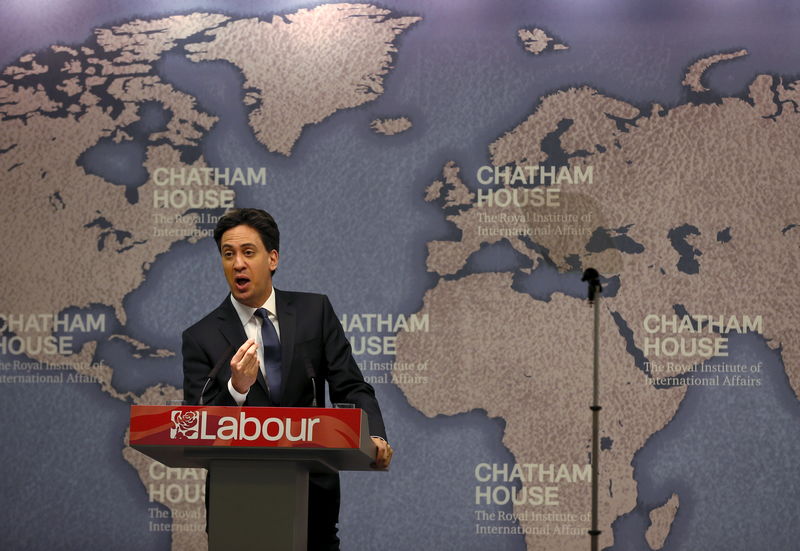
[249,253]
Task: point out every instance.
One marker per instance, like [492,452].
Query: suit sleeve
[197,365]
[346,383]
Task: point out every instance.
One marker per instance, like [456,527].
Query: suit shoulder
[304,298]
[208,321]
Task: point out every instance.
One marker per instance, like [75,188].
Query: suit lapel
[230,324]
[288,322]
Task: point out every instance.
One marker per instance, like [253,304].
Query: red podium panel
[258,461]
[334,439]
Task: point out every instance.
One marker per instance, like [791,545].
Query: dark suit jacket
[311,339]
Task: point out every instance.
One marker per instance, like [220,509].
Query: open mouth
[241,282]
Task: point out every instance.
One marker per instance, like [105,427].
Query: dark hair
[259,220]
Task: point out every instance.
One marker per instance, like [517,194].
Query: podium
[258,460]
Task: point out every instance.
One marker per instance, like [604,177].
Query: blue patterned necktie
[272,355]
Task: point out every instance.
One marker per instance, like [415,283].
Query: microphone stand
[592,277]
[213,373]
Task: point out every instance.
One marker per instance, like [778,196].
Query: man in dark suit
[265,347]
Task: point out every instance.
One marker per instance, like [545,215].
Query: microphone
[592,277]
[312,375]
[213,373]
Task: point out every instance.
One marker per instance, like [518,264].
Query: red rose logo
[184,424]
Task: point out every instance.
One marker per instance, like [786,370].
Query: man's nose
[238,262]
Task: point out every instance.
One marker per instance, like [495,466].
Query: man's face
[248,265]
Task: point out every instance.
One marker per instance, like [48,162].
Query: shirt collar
[246,312]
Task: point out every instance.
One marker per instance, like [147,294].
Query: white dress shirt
[252,328]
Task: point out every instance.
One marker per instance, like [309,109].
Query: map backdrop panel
[444,171]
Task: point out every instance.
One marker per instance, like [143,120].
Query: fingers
[387,456]
[242,351]
[384,452]
[244,366]
[246,358]
[249,362]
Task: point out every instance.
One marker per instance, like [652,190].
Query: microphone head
[312,377]
[591,275]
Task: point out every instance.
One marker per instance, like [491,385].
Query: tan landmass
[790,92]
[81,362]
[82,241]
[188,519]
[321,60]
[188,516]
[72,66]
[661,519]
[392,126]
[93,245]
[18,101]
[70,86]
[17,72]
[91,82]
[146,40]
[561,229]
[710,166]
[185,128]
[699,160]
[142,347]
[537,41]
[760,92]
[715,166]
[58,48]
[113,68]
[111,265]
[592,125]
[457,194]
[448,257]
[696,71]
[433,191]
[540,384]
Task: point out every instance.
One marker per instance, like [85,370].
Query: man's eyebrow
[229,246]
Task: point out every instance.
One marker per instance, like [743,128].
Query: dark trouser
[323,511]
